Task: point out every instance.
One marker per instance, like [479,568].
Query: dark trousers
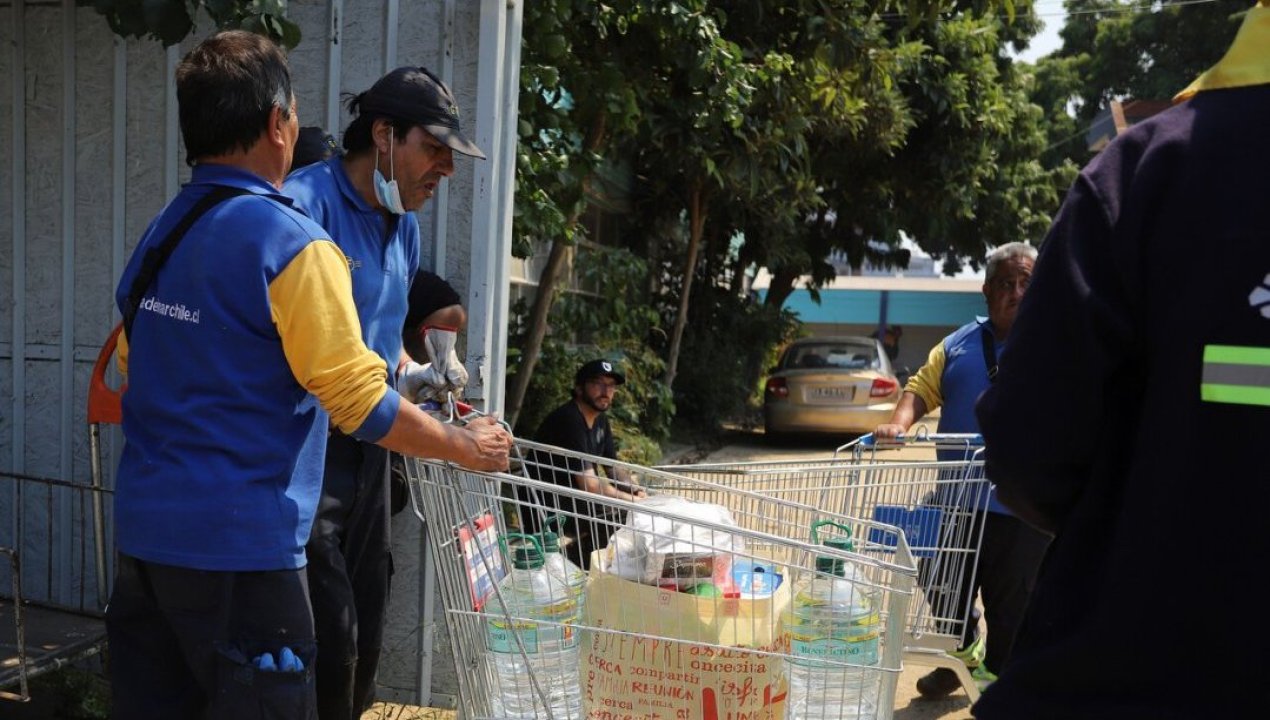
[590,535]
[586,527]
[1004,572]
[350,568]
[182,643]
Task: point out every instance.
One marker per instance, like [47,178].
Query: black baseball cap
[599,368]
[415,95]
[313,145]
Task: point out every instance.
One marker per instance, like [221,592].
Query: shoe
[938,683]
[983,677]
[942,682]
[973,654]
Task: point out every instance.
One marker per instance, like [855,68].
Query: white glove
[443,374]
[410,381]
[446,373]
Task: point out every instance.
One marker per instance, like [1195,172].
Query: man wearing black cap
[312,145]
[582,426]
[398,148]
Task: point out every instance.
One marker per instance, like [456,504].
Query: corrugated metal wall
[91,151]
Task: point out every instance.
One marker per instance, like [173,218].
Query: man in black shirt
[581,425]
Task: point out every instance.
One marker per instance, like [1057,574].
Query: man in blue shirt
[398,149]
[957,371]
[219,479]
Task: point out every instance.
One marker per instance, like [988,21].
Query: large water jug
[559,565]
[548,662]
[833,619]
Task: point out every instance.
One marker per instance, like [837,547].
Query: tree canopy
[169,21]
[772,133]
[1113,51]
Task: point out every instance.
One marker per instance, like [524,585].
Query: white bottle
[550,657]
[833,619]
[560,566]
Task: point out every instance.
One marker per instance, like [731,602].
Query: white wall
[91,152]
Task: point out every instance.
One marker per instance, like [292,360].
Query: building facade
[92,150]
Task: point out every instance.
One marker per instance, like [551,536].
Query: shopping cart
[930,485]
[54,582]
[473,519]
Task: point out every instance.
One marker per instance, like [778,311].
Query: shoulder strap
[989,352]
[156,256]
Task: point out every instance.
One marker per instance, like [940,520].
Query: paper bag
[627,677]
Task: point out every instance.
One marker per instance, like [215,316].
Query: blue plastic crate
[920,526]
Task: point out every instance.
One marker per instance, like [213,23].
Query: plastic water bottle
[562,567]
[833,619]
[530,593]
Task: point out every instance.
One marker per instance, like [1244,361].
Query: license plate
[831,393]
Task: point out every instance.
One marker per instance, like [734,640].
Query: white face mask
[386,191]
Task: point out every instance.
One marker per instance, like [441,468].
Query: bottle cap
[832,565]
[706,590]
[550,541]
[527,557]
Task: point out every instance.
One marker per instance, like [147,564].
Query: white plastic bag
[658,550]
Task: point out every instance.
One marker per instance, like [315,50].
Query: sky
[1047,41]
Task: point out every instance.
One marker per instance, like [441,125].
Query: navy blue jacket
[1114,423]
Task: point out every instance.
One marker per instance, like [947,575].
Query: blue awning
[903,307]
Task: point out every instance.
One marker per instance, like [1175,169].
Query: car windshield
[845,355]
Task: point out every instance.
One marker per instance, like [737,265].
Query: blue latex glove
[288,662]
[265,662]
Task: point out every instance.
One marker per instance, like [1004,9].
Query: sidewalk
[675,453]
[392,711]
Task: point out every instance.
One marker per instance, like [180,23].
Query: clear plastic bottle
[559,565]
[833,619]
[530,592]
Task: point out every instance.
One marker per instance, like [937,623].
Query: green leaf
[167,20]
[171,21]
[291,35]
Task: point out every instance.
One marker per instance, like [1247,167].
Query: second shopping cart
[930,485]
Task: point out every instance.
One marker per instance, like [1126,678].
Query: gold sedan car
[831,385]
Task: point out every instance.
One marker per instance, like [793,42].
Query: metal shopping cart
[930,485]
[56,546]
[644,650]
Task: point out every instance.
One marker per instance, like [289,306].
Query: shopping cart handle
[461,409]
[974,439]
[105,405]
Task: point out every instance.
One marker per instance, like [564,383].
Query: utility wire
[1126,9]
[1118,10]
